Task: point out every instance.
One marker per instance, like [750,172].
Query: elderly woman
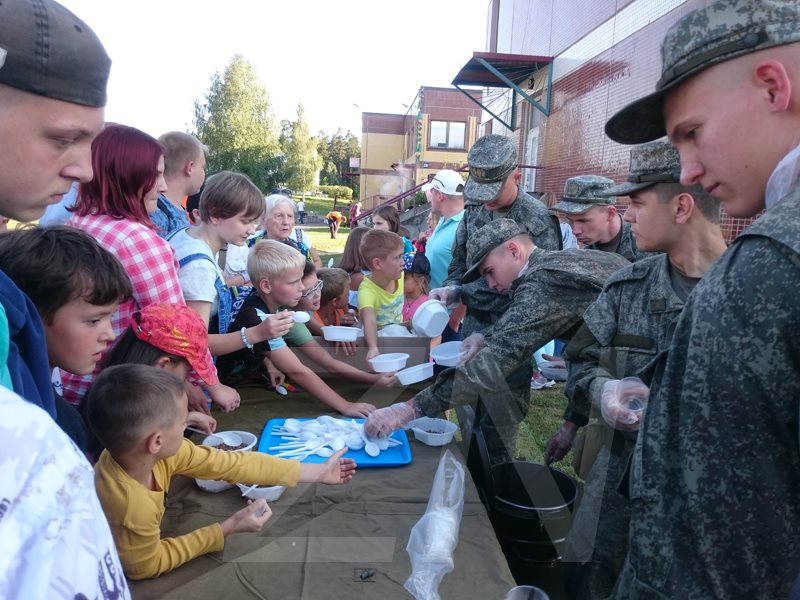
[279,225]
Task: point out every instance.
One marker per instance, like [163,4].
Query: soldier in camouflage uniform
[624,330]
[594,219]
[714,476]
[492,191]
[548,293]
[586,197]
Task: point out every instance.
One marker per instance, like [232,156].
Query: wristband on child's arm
[243,333]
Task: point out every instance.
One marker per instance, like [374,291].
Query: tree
[236,122]
[301,155]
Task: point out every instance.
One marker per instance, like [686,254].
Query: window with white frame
[448,134]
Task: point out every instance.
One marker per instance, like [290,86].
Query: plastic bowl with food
[270,493]
[340,333]
[433,432]
[415,373]
[446,354]
[247,442]
[389,363]
[430,319]
[555,370]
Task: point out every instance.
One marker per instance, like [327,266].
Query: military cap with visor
[584,192]
[486,239]
[718,32]
[491,160]
[650,163]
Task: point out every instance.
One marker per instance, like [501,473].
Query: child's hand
[277,325]
[226,397]
[276,376]
[349,348]
[386,379]
[198,402]
[336,470]
[358,409]
[201,421]
[348,319]
[251,518]
[372,353]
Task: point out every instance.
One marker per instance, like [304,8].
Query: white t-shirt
[197,277]
[54,538]
[301,206]
[236,261]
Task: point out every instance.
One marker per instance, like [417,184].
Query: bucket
[532,511]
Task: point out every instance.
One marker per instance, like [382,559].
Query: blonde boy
[276,270]
[380,295]
[139,413]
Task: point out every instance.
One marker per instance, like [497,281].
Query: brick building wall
[592,81]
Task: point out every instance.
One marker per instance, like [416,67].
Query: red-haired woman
[114,208]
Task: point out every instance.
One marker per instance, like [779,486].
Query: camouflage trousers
[597,544]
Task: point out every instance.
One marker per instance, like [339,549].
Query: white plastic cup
[526,592]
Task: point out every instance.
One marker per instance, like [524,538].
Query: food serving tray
[394,456]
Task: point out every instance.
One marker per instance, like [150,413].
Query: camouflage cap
[583,192]
[486,239]
[491,160]
[651,163]
[719,32]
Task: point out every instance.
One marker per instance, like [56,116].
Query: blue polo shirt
[439,248]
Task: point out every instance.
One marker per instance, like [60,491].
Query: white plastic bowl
[340,333]
[433,432]
[415,373]
[213,485]
[556,371]
[446,354]
[269,493]
[389,363]
[430,319]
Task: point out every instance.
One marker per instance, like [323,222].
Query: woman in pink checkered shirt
[114,207]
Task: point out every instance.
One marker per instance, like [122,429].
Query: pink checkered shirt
[150,263]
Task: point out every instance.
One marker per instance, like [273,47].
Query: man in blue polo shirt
[445,193]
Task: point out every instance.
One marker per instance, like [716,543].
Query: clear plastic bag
[435,535]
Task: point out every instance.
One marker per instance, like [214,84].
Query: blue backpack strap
[174,233]
[224,293]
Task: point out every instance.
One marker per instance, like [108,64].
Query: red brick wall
[571,139]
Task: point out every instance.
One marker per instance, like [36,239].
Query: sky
[339,58]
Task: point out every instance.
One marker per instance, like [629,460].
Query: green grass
[321,205]
[321,240]
[543,420]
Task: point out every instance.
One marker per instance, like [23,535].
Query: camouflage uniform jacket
[547,301]
[484,303]
[714,480]
[627,245]
[630,323]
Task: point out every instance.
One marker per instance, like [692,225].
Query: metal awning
[490,69]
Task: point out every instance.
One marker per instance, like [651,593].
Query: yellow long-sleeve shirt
[135,512]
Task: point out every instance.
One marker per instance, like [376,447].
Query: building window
[446,134]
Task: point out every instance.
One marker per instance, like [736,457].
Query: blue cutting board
[394,456]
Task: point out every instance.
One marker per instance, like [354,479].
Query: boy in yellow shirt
[139,413]
[380,295]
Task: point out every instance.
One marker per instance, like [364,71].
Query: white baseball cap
[447,181]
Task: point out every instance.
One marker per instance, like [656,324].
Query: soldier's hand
[446,295]
[470,347]
[623,402]
[560,443]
